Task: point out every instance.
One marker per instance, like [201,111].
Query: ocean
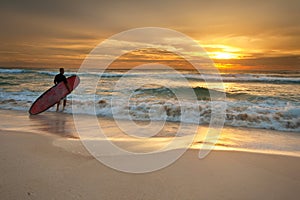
[262,108]
[264,100]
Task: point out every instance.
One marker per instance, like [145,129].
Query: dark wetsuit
[59,78]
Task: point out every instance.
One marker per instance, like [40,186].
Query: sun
[223,55]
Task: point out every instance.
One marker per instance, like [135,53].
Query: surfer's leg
[57,106]
[64,103]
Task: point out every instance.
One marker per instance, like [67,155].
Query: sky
[240,35]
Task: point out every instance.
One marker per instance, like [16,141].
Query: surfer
[59,78]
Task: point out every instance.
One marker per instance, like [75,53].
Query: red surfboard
[53,95]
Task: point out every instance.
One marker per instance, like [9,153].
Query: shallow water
[230,139]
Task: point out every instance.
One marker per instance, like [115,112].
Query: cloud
[59,27]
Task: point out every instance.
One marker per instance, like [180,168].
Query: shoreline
[52,112]
[231,138]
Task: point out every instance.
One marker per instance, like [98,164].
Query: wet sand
[38,163]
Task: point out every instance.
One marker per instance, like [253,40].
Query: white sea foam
[246,78]
[14,71]
[241,114]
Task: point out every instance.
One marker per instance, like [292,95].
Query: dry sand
[32,167]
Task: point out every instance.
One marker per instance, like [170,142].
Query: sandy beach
[33,166]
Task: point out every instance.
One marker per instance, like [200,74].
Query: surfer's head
[62,70]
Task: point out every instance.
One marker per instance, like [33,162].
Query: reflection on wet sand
[54,123]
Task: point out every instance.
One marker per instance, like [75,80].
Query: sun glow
[223,52]
[223,55]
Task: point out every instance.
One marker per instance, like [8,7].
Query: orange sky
[236,34]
